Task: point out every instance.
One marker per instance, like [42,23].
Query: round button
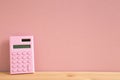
[24,70]
[19,61]
[19,57]
[18,53]
[23,66]
[19,66]
[24,61]
[28,53]
[28,61]
[13,57]
[19,69]
[23,57]
[24,53]
[14,53]
[14,70]
[13,62]
[28,57]
[14,66]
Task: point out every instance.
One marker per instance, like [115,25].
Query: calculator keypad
[21,62]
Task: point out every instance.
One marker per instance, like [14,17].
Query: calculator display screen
[21,46]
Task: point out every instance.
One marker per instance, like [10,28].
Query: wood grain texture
[62,76]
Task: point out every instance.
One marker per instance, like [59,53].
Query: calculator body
[21,54]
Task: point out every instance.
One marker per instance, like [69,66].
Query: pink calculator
[21,54]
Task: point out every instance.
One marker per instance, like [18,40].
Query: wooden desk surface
[62,76]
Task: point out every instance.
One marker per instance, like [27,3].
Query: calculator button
[19,66]
[24,53]
[13,52]
[24,70]
[19,61]
[19,57]
[18,53]
[14,66]
[13,57]
[28,57]
[23,66]
[29,67]
[23,57]
[14,70]
[24,61]
[14,61]
[28,53]
[19,70]
[28,61]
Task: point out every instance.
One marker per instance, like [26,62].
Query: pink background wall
[70,35]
